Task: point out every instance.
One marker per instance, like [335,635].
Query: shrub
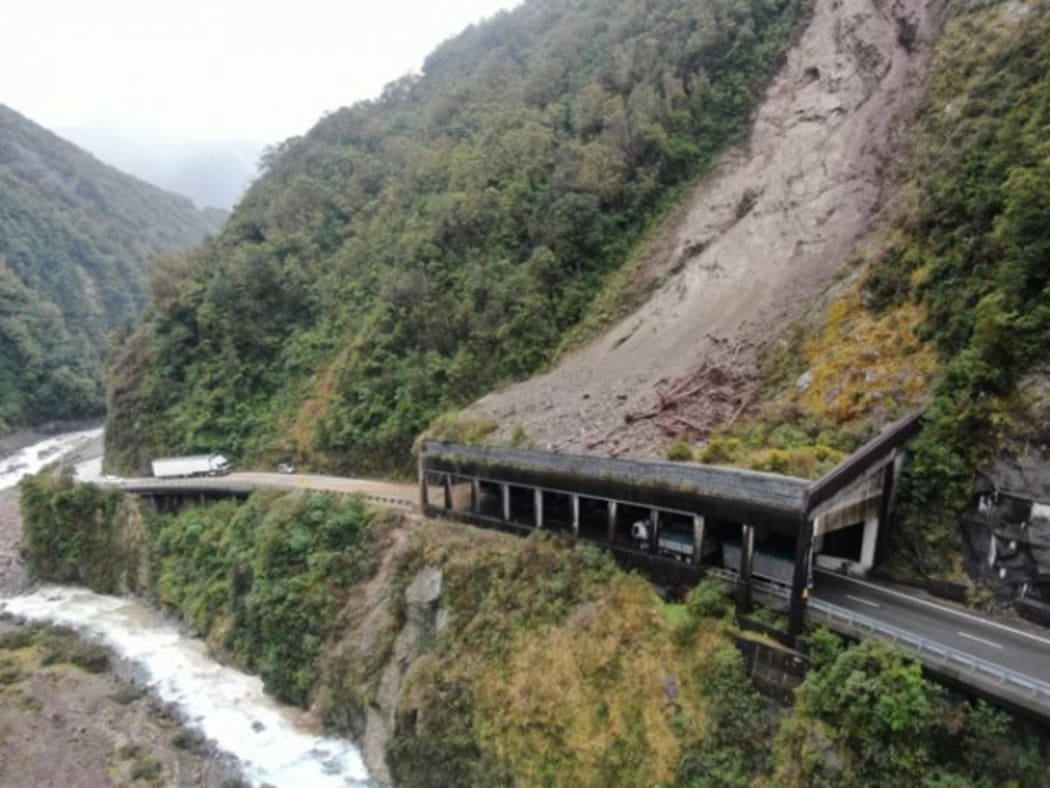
[680,452]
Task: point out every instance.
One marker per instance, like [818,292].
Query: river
[270,741]
[32,458]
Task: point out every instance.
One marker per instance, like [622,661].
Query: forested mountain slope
[410,253]
[753,246]
[77,239]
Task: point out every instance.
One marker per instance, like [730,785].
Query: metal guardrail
[1003,676]
[767,587]
[1033,688]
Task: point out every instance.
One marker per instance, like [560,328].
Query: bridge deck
[403,496]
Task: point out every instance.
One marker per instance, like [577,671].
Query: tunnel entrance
[843,545]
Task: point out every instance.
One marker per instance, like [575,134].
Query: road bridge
[172,494]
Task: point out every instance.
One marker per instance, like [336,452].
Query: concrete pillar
[747,562]
[447,480]
[993,548]
[423,496]
[504,494]
[576,516]
[800,580]
[610,535]
[889,492]
[538,498]
[475,495]
[698,539]
[654,531]
[868,542]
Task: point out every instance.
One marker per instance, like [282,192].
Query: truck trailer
[190,467]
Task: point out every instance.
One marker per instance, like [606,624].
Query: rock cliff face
[762,236]
[423,619]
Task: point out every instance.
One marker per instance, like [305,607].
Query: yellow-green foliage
[454,427]
[862,369]
[864,364]
[786,449]
[591,695]
[680,452]
[557,669]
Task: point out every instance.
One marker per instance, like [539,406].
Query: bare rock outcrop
[423,617]
[764,234]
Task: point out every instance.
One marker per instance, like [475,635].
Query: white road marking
[926,603]
[863,601]
[980,640]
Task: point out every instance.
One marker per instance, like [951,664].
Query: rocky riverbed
[69,713]
[67,718]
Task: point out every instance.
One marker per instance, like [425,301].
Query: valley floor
[64,725]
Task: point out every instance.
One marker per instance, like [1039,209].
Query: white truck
[190,467]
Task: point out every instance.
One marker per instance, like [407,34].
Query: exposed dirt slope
[763,235]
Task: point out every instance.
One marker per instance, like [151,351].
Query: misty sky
[213,69]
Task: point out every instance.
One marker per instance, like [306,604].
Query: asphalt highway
[1019,649]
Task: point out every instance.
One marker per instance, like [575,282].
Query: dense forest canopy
[76,242]
[411,252]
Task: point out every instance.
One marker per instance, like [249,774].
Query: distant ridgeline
[76,241]
[410,253]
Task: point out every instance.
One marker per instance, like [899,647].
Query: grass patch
[147,768]
[188,740]
[128,694]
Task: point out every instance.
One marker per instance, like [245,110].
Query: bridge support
[698,539]
[867,548]
[611,527]
[654,531]
[537,496]
[576,516]
[800,581]
[447,482]
[504,494]
[475,495]
[747,560]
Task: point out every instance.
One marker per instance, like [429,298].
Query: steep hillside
[76,241]
[945,307]
[756,243]
[412,252]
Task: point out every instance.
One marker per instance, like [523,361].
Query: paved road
[1027,653]
[403,495]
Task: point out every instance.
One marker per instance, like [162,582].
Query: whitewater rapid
[223,704]
[33,458]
